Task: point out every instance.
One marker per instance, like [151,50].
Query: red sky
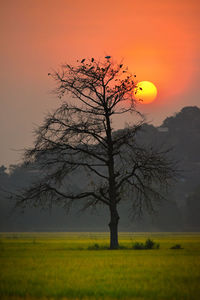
[158,40]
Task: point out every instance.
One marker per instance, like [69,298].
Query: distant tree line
[181,212]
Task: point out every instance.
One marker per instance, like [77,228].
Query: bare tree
[79,137]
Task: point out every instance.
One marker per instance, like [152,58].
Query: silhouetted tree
[79,137]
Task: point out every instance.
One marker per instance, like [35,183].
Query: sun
[146,92]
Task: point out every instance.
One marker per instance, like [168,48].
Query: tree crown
[78,138]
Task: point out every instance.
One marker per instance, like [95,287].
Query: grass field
[59,265]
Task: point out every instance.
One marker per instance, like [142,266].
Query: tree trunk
[114,220]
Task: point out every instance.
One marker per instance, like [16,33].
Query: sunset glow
[158,41]
[146,92]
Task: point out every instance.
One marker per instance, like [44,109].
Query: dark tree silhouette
[79,137]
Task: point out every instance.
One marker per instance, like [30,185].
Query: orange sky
[158,40]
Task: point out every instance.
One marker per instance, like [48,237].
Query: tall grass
[59,265]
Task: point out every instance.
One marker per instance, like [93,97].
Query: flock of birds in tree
[107,57]
[92,60]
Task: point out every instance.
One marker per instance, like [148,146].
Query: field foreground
[59,265]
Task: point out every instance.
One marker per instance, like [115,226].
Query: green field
[59,265]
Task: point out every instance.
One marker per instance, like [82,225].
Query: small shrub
[138,246]
[177,246]
[149,244]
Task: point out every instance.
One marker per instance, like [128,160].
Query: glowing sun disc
[146,92]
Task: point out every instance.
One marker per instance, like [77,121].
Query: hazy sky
[159,40]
